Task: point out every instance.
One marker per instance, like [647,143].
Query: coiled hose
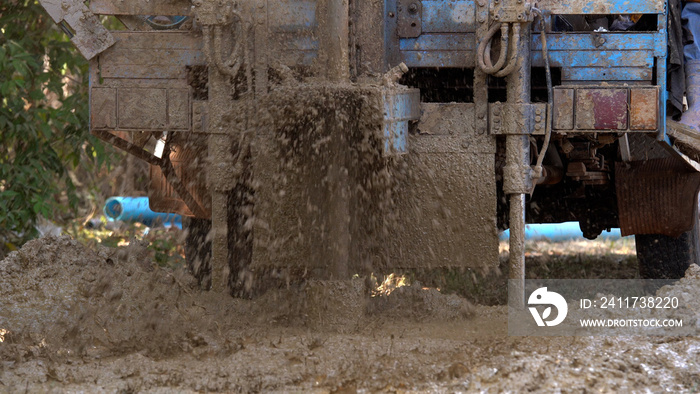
[483,53]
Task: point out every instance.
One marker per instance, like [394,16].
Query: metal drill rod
[518,179]
[337,38]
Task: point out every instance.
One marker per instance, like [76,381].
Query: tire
[198,250]
[664,257]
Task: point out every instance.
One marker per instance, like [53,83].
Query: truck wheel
[664,257]
[198,249]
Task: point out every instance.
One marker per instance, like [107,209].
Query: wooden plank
[140,7]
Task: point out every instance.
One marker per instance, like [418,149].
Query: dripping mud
[76,319]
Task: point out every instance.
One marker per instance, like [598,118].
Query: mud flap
[656,196]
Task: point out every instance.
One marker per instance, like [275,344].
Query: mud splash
[73,319]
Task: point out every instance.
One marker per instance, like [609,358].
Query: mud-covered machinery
[327,138]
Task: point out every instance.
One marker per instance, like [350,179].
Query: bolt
[496,17]
[413,8]
[65,5]
[601,40]
[482,19]
[521,16]
[496,120]
[482,3]
[538,111]
[391,15]
[538,118]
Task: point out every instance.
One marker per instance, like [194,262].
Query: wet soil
[74,319]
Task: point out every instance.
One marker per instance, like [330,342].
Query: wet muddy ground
[75,319]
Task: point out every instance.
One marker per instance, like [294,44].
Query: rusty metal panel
[448,206]
[140,7]
[601,109]
[136,71]
[409,18]
[448,16]
[572,7]
[143,109]
[178,109]
[145,74]
[644,109]
[611,41]
[103,108]
[91,38]
[159,39]
[151,55]
[563,109]
[656,196]
[598,58]
[438,58]
[606,74]
[439,42]
[292,16]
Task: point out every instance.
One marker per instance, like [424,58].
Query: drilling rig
[328,138]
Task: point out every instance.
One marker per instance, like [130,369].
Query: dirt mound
[74,319]
[58,297]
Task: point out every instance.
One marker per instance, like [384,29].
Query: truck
[332,138]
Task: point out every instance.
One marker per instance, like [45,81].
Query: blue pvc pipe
[136,209]
[559,232]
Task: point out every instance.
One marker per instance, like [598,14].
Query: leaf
[546,312]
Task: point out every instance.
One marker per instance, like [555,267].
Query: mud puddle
[74,319]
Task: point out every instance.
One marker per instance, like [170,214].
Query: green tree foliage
[43,120]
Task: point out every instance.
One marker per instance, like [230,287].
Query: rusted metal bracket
[91,38]
[409,18]
[212,13]
[511,12]
[164,163]
[597,39]
[505,118]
